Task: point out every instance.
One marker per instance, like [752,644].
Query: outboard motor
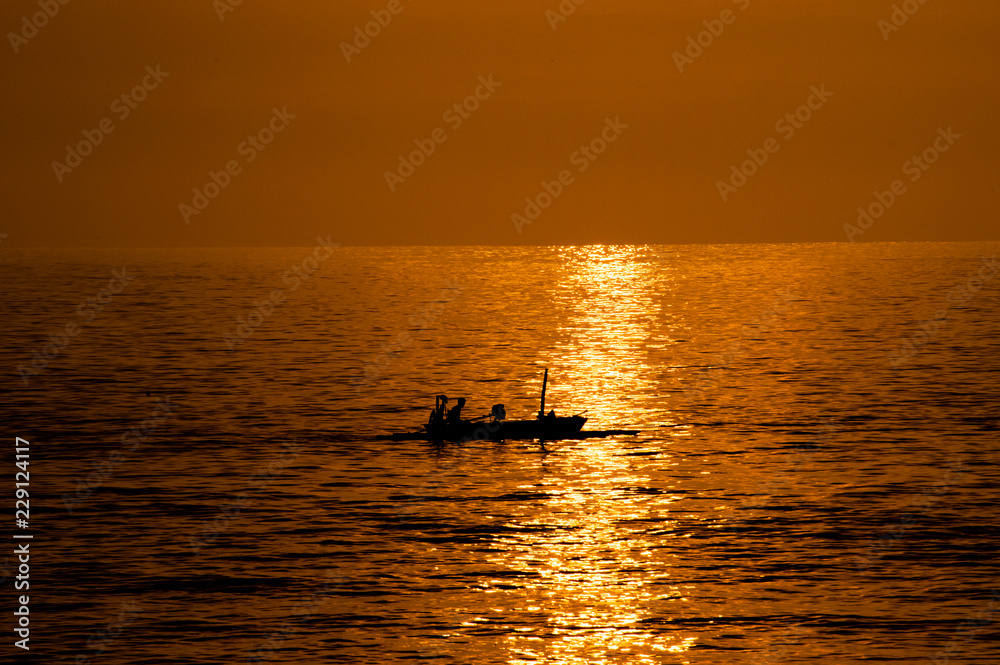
[498,413]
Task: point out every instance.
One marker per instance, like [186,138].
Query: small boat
[545,427]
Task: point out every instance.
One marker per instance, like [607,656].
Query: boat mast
[545,381]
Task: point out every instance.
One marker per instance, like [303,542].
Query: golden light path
[594,564]
[604,348]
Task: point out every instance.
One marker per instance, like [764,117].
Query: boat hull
[545,429]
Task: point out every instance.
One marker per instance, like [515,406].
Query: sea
[814,479]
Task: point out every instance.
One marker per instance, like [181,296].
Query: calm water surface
[800,490]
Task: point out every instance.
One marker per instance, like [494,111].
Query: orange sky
[657,182]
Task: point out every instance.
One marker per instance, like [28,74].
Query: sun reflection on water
[597,577]
[610,294]
[593,580]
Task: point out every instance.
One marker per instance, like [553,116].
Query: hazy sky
[609,68]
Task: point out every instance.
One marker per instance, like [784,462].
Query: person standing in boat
[455,415]
[440,410]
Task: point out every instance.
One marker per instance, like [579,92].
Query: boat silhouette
[495,427]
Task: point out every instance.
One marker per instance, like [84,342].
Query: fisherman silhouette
[440,408]
[455,415]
